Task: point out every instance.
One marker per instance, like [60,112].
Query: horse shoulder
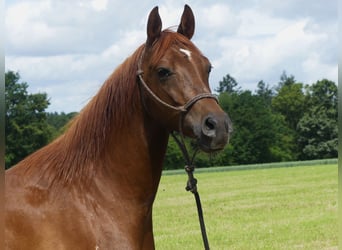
[34,219]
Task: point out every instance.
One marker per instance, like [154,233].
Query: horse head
[175,79]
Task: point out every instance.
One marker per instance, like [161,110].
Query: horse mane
[74,155]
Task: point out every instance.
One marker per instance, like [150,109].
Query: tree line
[286,122]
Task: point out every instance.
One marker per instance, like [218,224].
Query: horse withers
[94,186]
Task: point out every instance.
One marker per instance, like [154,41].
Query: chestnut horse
[94,186]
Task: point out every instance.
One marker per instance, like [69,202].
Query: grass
[280,208]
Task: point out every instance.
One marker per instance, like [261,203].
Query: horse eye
[164,73]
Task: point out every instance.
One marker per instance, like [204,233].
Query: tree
[228,84]
[259,134]
[318,135]
[59,121]
[264,92]
[173,158]
[289,101]
[317,129]
[322,94]
[25,120]
[286,80]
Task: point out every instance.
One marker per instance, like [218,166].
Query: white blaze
[186,52]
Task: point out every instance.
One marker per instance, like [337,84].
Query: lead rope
[191,184]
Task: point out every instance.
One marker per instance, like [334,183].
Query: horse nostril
[209,127]
[210,123]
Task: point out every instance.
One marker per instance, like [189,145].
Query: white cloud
[258,24]
[125,46]
[316,70]
[264,58]
[22,25]
[219,18]
[99,5]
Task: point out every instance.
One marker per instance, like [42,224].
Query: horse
[94,186]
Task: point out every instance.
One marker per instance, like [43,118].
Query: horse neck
[134,157]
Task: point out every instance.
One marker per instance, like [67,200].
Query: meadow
[274,208]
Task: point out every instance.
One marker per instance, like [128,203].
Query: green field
[275,208]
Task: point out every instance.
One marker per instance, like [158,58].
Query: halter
[190,167]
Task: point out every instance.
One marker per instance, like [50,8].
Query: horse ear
[187,24]
[154,26]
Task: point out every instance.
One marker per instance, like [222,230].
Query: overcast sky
[68,48]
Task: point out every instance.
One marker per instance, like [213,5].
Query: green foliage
[228,84]
[25,125]
[59,121]
[286,80]
[318,135]
[174,158]
[322,94]
[265,92]
[317,129]
[259,134]
[290,101]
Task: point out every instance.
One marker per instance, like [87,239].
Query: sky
[67,49]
